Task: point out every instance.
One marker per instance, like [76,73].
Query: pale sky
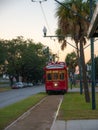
[26,18]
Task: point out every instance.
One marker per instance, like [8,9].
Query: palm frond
[63,45]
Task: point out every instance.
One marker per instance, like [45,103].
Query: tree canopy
[20,57]
[73,20]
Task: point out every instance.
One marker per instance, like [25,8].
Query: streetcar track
[48,115]
[25,114]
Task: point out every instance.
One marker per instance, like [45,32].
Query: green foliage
[22,57]
[2,52]
[73,21]
[71,61]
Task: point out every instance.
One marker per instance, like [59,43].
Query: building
[93,28]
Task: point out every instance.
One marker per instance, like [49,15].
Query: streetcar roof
[56,66]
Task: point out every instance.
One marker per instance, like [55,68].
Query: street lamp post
[45,35]
[45,31]
[92,64]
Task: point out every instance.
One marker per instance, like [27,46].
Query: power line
[43,12]
[45,17]
[38,1]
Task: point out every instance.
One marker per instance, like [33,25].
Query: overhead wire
[45,18]
[43,12]
[57,54]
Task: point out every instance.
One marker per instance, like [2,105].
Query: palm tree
[71,62]
[71,24]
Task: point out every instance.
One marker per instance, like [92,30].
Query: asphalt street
[15,95]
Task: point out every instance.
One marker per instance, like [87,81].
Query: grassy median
[3,89]
[74,107]
[12,112]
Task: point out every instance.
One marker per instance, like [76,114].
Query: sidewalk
[75,125]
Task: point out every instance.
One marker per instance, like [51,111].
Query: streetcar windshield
[55,75]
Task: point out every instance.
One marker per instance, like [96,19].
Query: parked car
[18,85]
[29,84]
[25,84]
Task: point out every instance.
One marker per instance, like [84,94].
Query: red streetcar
[56,77]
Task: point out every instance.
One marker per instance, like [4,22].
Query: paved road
[10,97]
[14,95]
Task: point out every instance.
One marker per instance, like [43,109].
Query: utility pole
[92,63]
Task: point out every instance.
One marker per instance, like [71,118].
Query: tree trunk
[85,83]
[80,68]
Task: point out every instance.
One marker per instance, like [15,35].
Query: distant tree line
[19,57]
[72,62]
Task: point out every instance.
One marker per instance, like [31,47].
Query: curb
[55,122]
[25,114]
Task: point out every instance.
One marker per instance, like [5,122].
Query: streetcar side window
[49,76]
[61,76]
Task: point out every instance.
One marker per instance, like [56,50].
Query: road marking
[56,113]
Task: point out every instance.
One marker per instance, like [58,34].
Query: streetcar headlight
[55,84]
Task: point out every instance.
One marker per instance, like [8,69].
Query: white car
[18,85]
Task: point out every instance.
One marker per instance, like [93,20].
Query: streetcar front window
[55,76]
